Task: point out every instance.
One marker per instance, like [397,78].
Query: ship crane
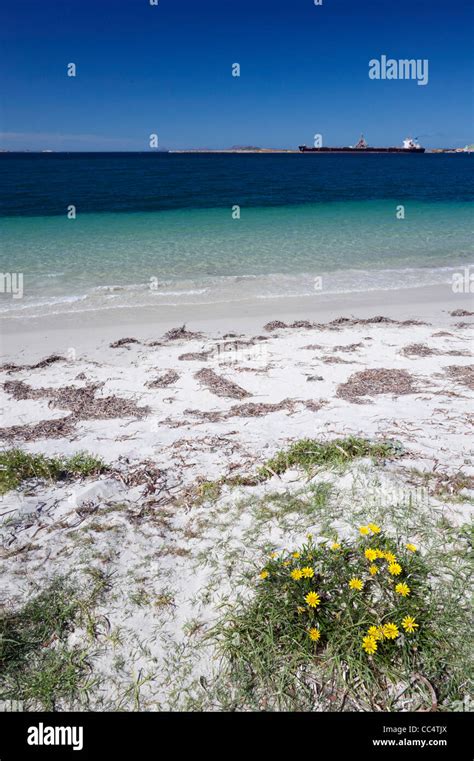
[362,142]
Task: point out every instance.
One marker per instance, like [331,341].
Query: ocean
[160,229]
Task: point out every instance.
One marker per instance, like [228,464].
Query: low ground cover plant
[359,622]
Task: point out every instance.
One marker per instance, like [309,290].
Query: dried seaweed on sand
[374,382]
[212,416]
[220,386]
[167,379]
[146,474]
[274,325]
[195,355]
[82,402]
[336,361]
[314,406]
[179,334]
[45,429]
[461,374]
[340,322]
[12,368]
[418,350]
[377,320]
[252,409]
[461,313]
[124,342]
[421,350]
[349,347]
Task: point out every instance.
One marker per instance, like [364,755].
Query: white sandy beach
[215,401]
[30,338]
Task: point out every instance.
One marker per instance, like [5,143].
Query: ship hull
[305,149]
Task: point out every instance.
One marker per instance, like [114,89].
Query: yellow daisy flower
[356,583]
[335,546]
[395,569]
[389,556]
[364,530]
[300,609]
[390,631]
[273,555]
[409,624]
[314,634]
[370,554]
[296,574]
[403,589]
[313,599]
[307,572]
[380,554]
[264,574]
[373,570]
[374,528]
[369,645]
[296,555]
[375,632]
[286,563]
[411,547]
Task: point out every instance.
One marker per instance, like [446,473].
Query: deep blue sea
[157,229]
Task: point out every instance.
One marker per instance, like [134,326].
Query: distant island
[236,149]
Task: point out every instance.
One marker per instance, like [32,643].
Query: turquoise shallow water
[131,259]
[156,229]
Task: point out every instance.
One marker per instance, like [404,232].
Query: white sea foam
[226,289]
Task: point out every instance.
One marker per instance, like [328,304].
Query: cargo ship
[409,146]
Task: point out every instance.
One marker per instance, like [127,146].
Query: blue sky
[166,69]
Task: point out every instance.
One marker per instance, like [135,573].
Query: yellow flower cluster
[370,528]
[386,631]
[302,573]
[375,635]
[394,568]
[376,632]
